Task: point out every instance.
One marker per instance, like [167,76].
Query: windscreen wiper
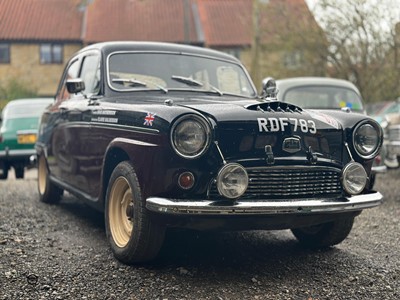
[187,80]
[192,82]
[135,82]
[131,82]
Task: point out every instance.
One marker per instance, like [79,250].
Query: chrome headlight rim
[222,171]
[377,148]
[350,189]
[207,132]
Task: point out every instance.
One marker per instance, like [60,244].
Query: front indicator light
[354,178]
[232,181]
[186,180]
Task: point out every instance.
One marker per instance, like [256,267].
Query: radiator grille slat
[290,183]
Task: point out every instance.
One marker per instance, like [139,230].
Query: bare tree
[362,48]
[287,41]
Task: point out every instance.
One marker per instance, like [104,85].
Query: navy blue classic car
[162,135]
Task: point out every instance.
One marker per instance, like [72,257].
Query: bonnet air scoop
[274,106]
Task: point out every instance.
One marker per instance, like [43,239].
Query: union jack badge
[148,120]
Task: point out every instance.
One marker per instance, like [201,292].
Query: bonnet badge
[291,144]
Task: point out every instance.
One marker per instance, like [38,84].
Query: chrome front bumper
[17,153]
[263,207]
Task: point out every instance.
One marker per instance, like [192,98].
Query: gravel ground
[60,252]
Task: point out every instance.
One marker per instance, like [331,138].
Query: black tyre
[133,236]
[48,192]
[324,235]
[3,171]
[19,172]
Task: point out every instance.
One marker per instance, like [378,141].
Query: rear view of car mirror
[75,86]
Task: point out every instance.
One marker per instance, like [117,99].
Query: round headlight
[232,181]
[190,136]
[354,178]
[367,139]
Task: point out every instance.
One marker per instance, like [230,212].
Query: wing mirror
[270,90]
[75,86]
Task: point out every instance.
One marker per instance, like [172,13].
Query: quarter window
[90,74]
[70,73]
[4,53]
[51,54]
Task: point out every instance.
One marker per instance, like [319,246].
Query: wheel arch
[113,157]
[120,150]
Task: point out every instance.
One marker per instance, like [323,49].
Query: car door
[71,143]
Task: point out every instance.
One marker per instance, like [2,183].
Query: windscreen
[176,72]
[323,97]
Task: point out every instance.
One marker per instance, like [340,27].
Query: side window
[51,54]
[70,73]
[4,53]
[90,74]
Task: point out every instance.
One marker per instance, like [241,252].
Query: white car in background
[323,93]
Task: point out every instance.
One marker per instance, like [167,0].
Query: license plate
[27,138]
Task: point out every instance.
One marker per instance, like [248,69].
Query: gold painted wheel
[48,191]
[120,212]
[42,175]
[133,236]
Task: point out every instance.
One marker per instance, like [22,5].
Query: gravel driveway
[60,252]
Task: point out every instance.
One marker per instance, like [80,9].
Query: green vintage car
[18,131]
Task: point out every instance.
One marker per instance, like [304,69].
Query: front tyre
[324,235]
[19,172]
[133,236]
[3,170]
[48,192]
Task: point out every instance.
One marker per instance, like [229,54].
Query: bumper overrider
[263,207]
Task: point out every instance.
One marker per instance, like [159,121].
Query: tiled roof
[226,22]
[40,20]
[214,23]
[147,20]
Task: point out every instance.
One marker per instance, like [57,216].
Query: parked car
[379,108]
[386,117]
[320,93]
[19,121]
[326,94]
[392,128]
[163,135]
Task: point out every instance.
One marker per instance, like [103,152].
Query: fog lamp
[354,178]
[186,180]
[232,181]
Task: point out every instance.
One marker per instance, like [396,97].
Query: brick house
[38,36]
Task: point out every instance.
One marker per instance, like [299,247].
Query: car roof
[20,104]
[287,83]
[29,101]
[109,47]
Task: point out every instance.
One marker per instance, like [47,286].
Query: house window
[51,54]
[293,60]
[4,53]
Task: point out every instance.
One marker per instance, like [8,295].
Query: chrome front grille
[290,183]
